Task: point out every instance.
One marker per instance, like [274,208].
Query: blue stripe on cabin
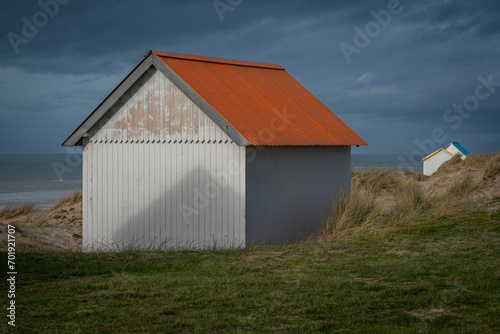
[460,148]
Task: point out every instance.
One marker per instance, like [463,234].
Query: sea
[43,179]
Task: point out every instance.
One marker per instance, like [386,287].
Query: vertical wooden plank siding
[192,205]
[85,191]
[93,180]
[160,174]
[119,188]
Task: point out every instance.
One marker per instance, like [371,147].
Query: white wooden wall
[453,150]
[432,164]
[161,175]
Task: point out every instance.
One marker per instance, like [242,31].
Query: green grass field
[434,276]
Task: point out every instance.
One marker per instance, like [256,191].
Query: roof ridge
[216,60]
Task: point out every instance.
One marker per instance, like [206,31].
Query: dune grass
[411,201]
[355,210]
[71,199]
[13,211]
[492,167]
[28,215]
[478,160]
[488,163]
[455,160]
[462,187]
[361,211]
[426,276]
[375,180]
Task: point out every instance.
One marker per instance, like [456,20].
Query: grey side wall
[287,188]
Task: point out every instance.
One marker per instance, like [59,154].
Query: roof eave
[108,102]
[436,152]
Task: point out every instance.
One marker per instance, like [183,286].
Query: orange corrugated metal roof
[265,104]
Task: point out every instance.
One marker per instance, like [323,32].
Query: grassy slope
[422,277]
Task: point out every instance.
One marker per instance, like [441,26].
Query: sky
[407,76]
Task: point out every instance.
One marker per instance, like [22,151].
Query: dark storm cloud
[99,32]
[449,19]
[399,86]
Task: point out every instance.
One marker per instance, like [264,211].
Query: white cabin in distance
[433,161]
[455,148]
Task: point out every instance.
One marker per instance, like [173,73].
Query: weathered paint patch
[159,112]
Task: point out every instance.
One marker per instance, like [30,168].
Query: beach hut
[433,161]
[192,152]
[455,148]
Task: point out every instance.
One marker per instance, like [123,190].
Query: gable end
[125,91]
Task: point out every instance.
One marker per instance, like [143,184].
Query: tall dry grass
[492,166]
[455,160]
[27,215]
[367,207]
[361,211]
[478,160]
[13,211]
[375,180]
[356,210]
[24,215]
[462,187]
[411,201]
[489,163]
[71,199]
